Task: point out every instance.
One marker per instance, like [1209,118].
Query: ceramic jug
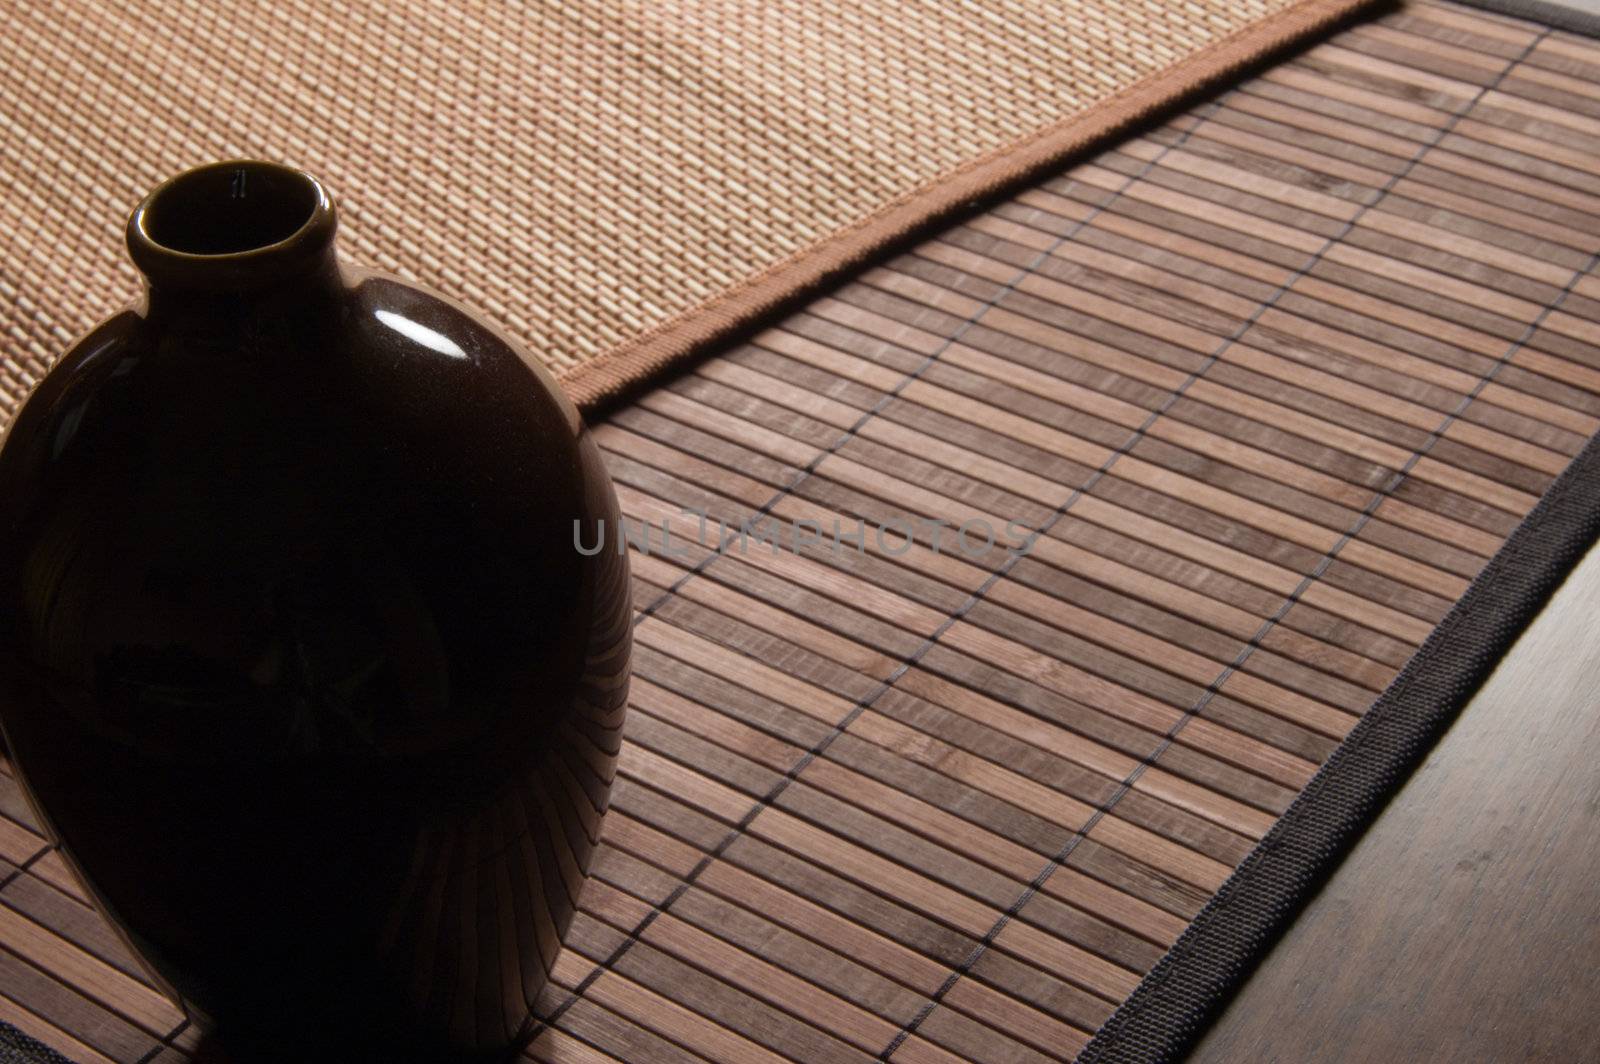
[298,660]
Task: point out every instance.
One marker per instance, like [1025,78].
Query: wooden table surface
[1463,925]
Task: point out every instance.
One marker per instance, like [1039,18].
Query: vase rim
[234,224]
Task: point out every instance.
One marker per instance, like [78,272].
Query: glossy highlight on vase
[296,659]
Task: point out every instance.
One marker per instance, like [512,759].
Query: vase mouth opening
[230,225]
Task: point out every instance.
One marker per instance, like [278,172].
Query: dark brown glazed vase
[298,659]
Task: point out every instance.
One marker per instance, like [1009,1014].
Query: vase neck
[234,230]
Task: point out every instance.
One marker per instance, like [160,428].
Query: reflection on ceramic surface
[296,655]
[432,339]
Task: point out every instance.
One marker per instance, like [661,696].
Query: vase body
[298,660]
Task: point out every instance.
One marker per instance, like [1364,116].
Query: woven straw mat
[613,183]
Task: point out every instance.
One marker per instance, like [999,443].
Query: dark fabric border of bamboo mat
[1242,921]
[1561,16]
[18,1048]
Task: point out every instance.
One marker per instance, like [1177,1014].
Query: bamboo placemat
[615,182]
[1273,381]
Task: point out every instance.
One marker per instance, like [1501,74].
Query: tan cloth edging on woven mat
[594,383]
